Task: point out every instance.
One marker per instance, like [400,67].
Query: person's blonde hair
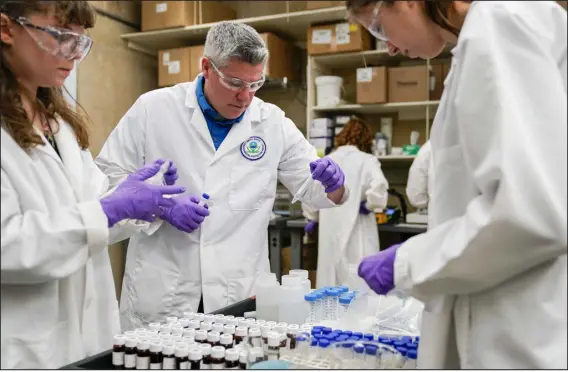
[50,102]
[356,133]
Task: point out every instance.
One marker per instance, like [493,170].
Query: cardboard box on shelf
[281,63]
[179,65]
[372,85]
[323,4]
[408,84]
[338,38]
[157,15]
[195,62]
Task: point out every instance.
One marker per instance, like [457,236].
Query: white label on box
[342,34]
[166,58]
[321,37]
[365,75]
[161,7]
[174,67]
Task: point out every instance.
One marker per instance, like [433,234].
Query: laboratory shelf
[375,108]
[292,26]
[396,157]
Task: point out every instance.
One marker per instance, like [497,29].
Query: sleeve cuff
[96,225]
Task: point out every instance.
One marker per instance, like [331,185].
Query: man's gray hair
[228,40]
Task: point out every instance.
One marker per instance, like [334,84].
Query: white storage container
[328,90]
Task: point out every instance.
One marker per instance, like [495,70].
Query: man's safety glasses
[237,84]
[374,27]
[58,42]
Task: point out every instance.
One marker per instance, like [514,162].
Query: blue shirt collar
[208,110]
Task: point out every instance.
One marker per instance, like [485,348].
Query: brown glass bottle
[201,336]
[181,354]
[195,359]
[231,359]
[274,342]
[156,356]
[213,338]
[243,359]
[206,353]
[240,334]
[130,352]
[226,341]
[118,349]
[143,355]
[291,334]
[218,357]
[168,357]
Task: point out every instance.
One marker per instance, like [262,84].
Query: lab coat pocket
[249,187]
[239,289]
[450,184]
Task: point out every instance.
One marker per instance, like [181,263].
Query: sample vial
[291,334]
[368,337]
[177,331]
[209,318]
[182,362]
[130,353]
[194,358]
[281,330]
[242,323]
[143,355]
[240,334]
[213,338]
[184,322]
[370,357]
[201,336]
[226,340]
[255,337]
[172,319]
[176,338]
[189,332]
[231,359]
[194,324]
[344,302]
[189,315]
[118,348]
[220,318]
[411,357]
[332,303]
[311,299]
[168,357]
[271,323]
[139,331]
[229,329]
[165,328]
[206,326]
[217,327]
[154,327]
[200,317]
[231,322]
[243,359]
[206,356]
[204,199]
[256,355]
[155,355]
[218,357]
[260,322]
[264,331]
[273,350]
[359,356]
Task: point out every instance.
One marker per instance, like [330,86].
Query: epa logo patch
[254,148]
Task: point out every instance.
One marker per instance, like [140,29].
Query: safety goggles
[237,84]
[374,27]
[58,42]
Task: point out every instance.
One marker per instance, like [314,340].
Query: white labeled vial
[200,317]
[189,332]
[231,359]
[130,353]
[184,322]
[206,353]
[206,326]
[168,357]
[243,359]
[182,361]
[204,199]
[201,336]
[213,338]
[217,327]
[220,318]
[189,315]
[176,338]
[143,355]
[218,357]
[155,355]
[311,300]
[177,331]
[240,334]
[165,328]
[231,321]
[226,340]
[188,340]
[255,339]
[154,327]
[229,329]
[118,348]
[209,318]
[194,324]
[273,350]
[195,358]
[171,319]
[242,323]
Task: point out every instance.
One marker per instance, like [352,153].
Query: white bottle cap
[265,330]
[226,339]
[154,326]
[201,335]
[293,328]
[301,273]
[192,345]
[256,353]
[291,281]
[231,355]
[239,318]
[282,324]
[209,318]
[274,339]
[217,327]
[189,315]
[164,336]
[194,324]
[155,347]
[195,354]
[254,332]
[155,340]
[129,333]
[140,330]
[200,317]
[119,340]
[188,339]
[218,352]
[143,345]
[205,349]
[280,328]
[231,322]
[229,329]
[271,323]
[131,342]
[177,331]
[260,322]
[181,351]
[165,328]
[254,326]
[241,331]
[168,350]
[229,317]
[220,318]
[213,336]
[206,326]
[167,343]
[243,323]
[190,332]
[176,324]
[176,338]
[172,319]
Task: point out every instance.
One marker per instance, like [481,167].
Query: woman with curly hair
[349,232]
[58,297]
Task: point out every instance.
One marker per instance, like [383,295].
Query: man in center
[226,143]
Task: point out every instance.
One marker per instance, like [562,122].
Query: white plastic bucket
[328,90]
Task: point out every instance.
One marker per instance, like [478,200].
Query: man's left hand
[328,173]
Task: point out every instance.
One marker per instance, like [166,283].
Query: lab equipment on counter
[413,148]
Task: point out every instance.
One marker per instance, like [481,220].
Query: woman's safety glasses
[237,84]
[374,27]
[58,42]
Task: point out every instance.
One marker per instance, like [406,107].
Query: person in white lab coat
[491,269]
[234,147]
[349,232]
[58,296]
[419,185]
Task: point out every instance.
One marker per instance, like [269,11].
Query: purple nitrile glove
[363,208]
[134,199]
[310,226]
[186,214]
[378,270]
[328,173]
[171,175]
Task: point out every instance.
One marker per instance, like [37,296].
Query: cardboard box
[338,38]
[323,4]
[179,65]
[372,85]
[157,15]
[281,62]
[126,10]
[408,84]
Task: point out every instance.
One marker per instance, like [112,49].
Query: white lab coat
[58,297]
[492,267]
[419,185]
[166,272]
[346,236]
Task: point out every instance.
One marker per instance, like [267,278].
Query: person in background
[231,145]
[419,185]
[349,232]
[491,269]
[58,296]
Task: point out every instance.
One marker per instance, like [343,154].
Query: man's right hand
[186,214]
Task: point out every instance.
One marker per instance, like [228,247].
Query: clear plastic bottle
[323,352]
[370,357]
[359,357]
[411,357]
[344,303]
[311,300]
[333,304]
